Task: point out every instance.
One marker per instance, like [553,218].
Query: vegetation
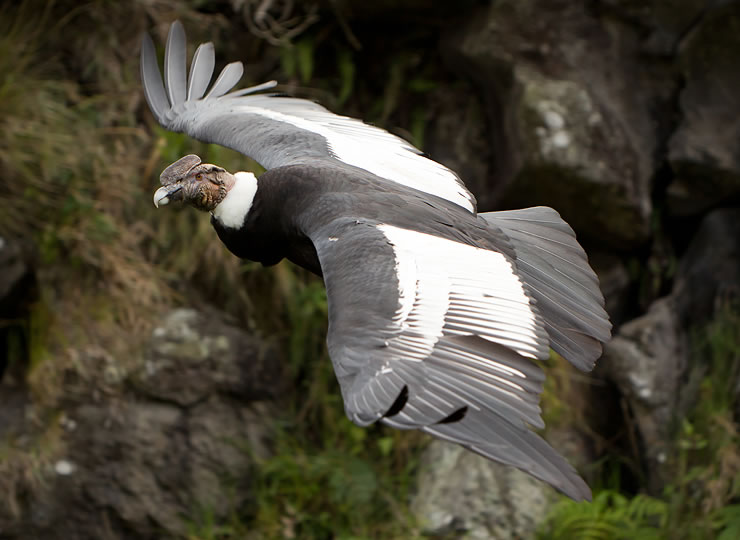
[704,499]
[329,477]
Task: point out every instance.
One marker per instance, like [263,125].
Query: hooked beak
[164,194]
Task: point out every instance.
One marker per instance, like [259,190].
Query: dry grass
[25,466]
[78,169]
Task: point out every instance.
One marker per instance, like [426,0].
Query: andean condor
[436,312]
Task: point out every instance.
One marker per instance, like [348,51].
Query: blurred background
[154,386]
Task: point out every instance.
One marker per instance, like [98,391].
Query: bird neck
[232,211]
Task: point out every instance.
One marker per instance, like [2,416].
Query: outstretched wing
[275,130]
[438,335]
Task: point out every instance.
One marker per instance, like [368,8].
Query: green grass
[703,500]
[611,515]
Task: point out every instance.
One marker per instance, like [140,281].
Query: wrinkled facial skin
[203,187]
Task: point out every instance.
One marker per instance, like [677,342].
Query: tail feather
[556,270]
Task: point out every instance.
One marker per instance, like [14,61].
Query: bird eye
[199,176]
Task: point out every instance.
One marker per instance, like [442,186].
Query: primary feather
[201,71]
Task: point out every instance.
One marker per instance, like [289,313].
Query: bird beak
[164,194]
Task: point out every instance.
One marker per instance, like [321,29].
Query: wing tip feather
[226,80]
[151,79]
[201,70]
[175,52]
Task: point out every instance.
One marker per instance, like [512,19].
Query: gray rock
[615,283]
[709,272]
[162,448]
[467,152]
[462,494]
[153,466]
[195,355]
[570,113]
[704,152]
[648,360]
[559,125]
[663,23]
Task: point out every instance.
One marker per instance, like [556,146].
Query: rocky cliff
[140,394]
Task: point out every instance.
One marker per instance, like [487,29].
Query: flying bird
[437,313]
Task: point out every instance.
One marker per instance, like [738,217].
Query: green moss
[557,388]
[40,322]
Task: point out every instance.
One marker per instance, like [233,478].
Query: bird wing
[430,333]
[276,130]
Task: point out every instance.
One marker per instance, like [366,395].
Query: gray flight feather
[174,64]
[252,89]
[556,270]
[493,437]
[150,76]
[201,71]
[226,80]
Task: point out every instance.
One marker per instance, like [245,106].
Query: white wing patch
[449,288]
[372,149]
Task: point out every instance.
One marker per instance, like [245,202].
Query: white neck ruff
[233,210]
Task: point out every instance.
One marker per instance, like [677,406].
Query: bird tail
[555,268]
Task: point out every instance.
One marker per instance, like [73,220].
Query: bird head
[202,185]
